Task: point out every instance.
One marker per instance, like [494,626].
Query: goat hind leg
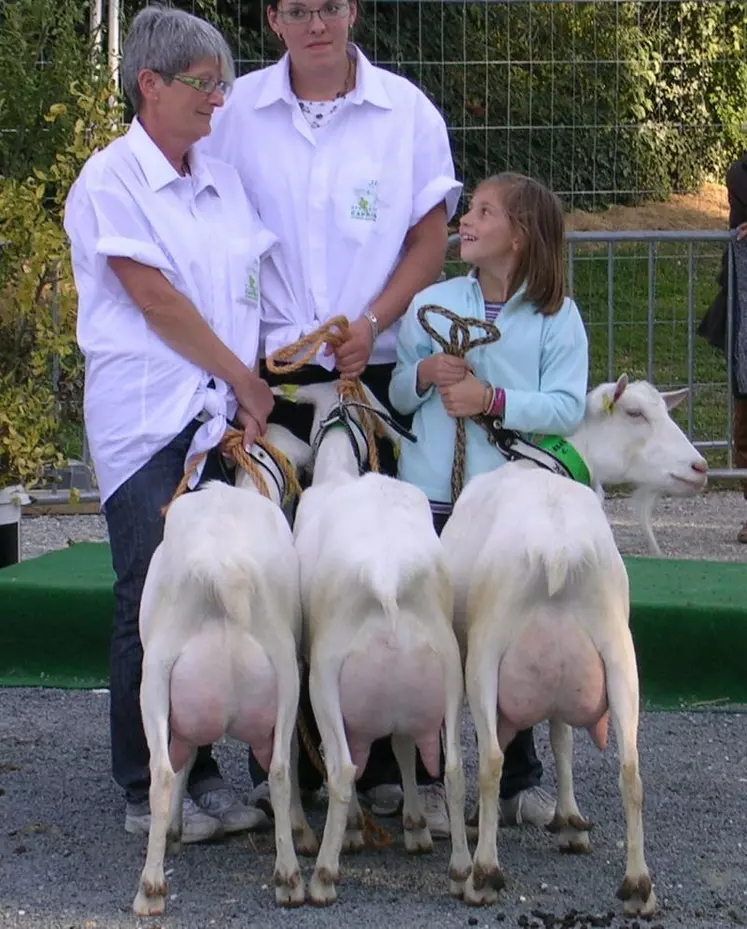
[325,700]
[568,823]
[289,887]
[486,880]
[303,835]
[417,835]
[460,863]
[150,899]
[622,691]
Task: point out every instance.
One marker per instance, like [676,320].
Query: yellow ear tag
[289,391]
[608,404]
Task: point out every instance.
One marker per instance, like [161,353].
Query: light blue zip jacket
[541,362]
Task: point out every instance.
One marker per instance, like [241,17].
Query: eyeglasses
[300,15]
[206,85]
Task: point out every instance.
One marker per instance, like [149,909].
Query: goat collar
[339,417]
[552,452]
[268,464]
[342,417]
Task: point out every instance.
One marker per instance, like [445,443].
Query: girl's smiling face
[487,235]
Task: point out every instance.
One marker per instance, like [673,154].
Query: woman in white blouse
[167,253]
[350,166]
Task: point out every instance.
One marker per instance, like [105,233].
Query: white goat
[220,623]
[542,613]
[383,656]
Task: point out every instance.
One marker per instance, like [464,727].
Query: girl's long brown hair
[536,215]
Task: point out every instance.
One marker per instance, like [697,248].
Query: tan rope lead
[458,344]
[232,444]
[293,357]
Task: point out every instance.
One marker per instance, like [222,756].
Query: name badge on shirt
[252,282]
[365,201]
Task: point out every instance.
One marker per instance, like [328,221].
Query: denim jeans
[133,516]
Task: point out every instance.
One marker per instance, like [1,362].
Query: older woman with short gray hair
[166,253]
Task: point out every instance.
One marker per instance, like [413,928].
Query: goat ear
[673,398]
[622,383]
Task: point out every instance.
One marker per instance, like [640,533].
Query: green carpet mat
[689,621]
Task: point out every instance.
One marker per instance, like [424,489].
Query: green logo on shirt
[252,282]
[365,203]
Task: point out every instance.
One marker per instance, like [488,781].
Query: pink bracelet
[499,403]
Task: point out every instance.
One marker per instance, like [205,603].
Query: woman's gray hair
[170,42]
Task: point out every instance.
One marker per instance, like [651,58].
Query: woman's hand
[352,356]
[441,370]
[255,399]
[466,398]
[251,427]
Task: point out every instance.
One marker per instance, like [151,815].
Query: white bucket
[12,499]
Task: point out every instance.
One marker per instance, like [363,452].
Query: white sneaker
[224,805]
[436,812]
[196,825]
[531,807]
[384,799]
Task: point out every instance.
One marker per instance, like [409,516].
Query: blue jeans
[133,516]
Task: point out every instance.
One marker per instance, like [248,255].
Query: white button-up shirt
[203,234]
[340,198]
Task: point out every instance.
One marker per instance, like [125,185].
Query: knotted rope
[292,357]
[458,344]
[232,444]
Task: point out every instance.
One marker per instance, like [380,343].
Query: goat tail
[224,578]
[391,584]
[560,563]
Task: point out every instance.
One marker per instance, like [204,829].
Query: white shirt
[202,233]
[340,197]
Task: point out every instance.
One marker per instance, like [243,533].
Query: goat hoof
[322,890]
[147,902]
[306,842]
[290,891]
[418,841]
[353,841]
[574,844]
[484,896]
[638,895]
[483,885]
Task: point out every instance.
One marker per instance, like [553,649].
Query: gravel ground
[66,863]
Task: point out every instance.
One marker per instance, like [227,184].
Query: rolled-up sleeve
[434,181]
[106,220]
[413,345]
[557,408]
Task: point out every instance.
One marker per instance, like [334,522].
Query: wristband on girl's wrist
[498,406]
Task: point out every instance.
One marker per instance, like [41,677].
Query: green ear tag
[289,392]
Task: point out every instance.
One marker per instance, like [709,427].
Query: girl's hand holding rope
[466,398]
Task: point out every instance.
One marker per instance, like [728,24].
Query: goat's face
[636,440]
[295,450]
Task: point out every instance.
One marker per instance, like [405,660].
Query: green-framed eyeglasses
[206,85]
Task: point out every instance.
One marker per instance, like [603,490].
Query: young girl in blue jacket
[533,378]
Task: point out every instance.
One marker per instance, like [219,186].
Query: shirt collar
[158,171]
[512,301]
[369,86]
